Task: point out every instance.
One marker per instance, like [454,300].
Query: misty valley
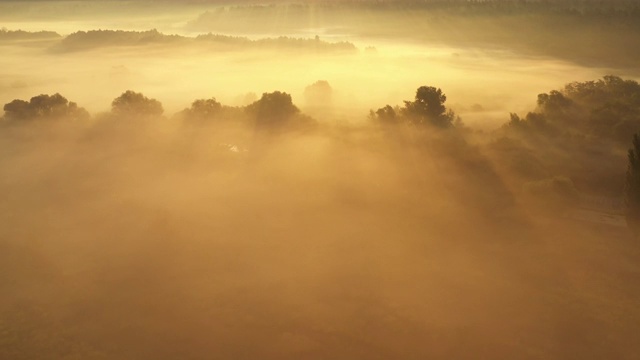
[437,179]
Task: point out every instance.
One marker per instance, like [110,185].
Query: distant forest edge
[578,8]
[598,33]
[588,32]
[87,40]
[16,35]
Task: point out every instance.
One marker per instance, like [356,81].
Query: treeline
[577,8]
[594,33]
[580,132]
[575,139]
[279,42]
[87,40]
[273,110]
[99,38]
[607,109]
[496,7]
[9,35]
[83,40]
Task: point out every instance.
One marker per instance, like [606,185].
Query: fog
[361,80]
[177,183]
[381,68]
[151,240]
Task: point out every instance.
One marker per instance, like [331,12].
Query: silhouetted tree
[632,186]
[135,104]
[608,108]
[204,109]
[553,101]
[273,109]
[44,107]
[533,123]
[428,108]
[385,115]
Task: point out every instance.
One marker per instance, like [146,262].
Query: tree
[44,107]
[428,108]
[203,109]
[273,109]
[632,186]
[384,115]
[553,101]
[136,104]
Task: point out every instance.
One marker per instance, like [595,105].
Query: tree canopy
[427,108]
[131,103]
[203,109]
[273,109]
[44,107]
[607,108]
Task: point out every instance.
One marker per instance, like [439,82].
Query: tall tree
[632,186]
[428,108]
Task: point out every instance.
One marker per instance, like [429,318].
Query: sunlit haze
[419,179]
